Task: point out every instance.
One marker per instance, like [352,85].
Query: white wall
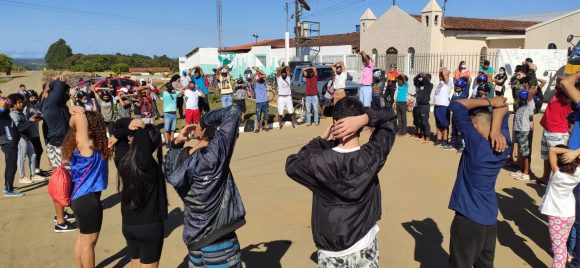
[204,57]
[553,32]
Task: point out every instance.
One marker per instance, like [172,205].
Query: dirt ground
[416,183]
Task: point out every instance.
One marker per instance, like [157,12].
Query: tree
[5,64]
[57,54]
[119,68]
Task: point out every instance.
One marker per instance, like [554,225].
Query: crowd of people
[85,126]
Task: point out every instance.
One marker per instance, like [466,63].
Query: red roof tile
[352,39]
[486,25]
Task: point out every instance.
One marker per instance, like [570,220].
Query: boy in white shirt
[191,96]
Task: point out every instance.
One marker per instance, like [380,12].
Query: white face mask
[463,66]
[501,72]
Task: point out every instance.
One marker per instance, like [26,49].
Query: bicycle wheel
[300,113]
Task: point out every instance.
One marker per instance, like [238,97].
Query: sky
[175,27]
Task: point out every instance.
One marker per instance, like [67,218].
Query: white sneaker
[25,180]
[38,178]
[523,178]
[516,174]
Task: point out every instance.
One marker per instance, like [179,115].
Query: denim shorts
[169,121]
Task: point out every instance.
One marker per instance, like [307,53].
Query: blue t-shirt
[201,83]
[89,174]
[169,101]
[474,192]
[261,92]
[574,141]
[402,92]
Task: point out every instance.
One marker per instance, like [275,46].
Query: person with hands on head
[85,146]
[9,141]
[284,78]
[366,80]
[558,203]
[105,101]
[198,77]
[262,105]
[312,103]
[224,85]
[345,185]
[474,200]
[169,98]
[339,69]
[142,187]
[202,177]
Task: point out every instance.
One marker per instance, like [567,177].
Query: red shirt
[312,86]
[555,117]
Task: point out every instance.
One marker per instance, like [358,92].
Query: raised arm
[569,88]
[79,121]
[553,156]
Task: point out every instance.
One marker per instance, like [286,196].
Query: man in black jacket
[342,175]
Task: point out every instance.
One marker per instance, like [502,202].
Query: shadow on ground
[429,251]
[174,220]
[517,206]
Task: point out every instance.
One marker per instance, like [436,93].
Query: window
[436,20]
[324,74]
[296,75]
[375,54]
[552,46]
[427,20]
[261,60]
[411,52]
[392,57]
[482,56]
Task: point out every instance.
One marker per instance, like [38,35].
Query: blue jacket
[204,181]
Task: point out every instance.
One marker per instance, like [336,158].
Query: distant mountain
[30,64]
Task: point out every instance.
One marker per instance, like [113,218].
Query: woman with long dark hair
[142,187]
[86,147]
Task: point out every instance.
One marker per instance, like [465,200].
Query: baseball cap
[124,90]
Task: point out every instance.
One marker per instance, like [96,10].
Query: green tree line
[60,56]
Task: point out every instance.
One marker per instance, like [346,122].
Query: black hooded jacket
[345,186]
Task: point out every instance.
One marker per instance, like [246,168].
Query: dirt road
[414,231]
[32,80]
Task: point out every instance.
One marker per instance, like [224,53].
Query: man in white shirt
[184,81]
[442,114]
[339,80]
[284,94]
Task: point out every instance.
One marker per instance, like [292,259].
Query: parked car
[116,83]
[325,72]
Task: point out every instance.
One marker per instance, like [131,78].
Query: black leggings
[423,117]
[144,241]
[11,157]
[89,213]
[37,150]
[180,106]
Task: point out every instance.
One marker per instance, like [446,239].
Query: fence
[413,64]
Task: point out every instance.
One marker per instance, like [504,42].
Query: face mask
[33,102]
[420,79]
[2,110]
[501,72]
[463,66]
[261,81]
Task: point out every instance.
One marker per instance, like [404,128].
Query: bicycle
[300,111]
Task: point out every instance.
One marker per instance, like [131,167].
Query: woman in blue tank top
[86,148]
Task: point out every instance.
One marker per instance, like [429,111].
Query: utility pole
[394,4]
[219,24]
[287,16]
[297,30]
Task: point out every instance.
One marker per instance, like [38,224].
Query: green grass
[5,79]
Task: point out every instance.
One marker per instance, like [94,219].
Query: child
[523,127]
[555,124]
[240,97]
[9,139]
[378,86]
[423,97]
[441,110]
[401,96]
[191,95]
[461,92]
[474,200]
[559,202]
[25,147]
[347,197]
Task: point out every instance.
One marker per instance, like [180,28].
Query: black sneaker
[67,217]
[65,227]
[437,143]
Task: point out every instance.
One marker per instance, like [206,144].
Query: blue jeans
[169,121]
[576,260]
[262,107]
[312,101]
[365,95]
[227,100]
[25,148]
